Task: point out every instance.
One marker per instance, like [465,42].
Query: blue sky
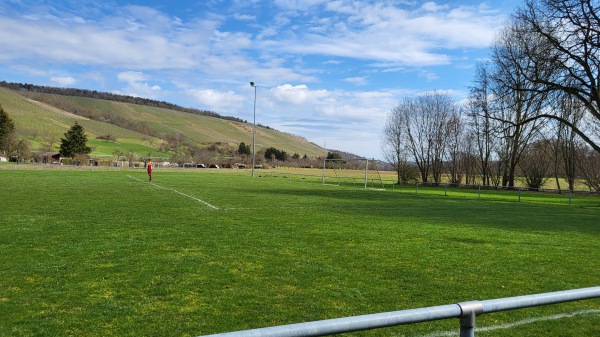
[329,71]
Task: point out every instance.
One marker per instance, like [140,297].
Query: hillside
[138,128]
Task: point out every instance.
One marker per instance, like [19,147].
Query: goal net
[360,172]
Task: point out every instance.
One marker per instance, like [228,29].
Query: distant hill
[145,127]
[32,88]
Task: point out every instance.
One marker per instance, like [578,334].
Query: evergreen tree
[244,149]
[273,153]
[74,142]
[7,129]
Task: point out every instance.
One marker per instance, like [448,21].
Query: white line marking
[176,191]
[517,323]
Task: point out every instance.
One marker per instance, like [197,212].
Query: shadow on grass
[442,209]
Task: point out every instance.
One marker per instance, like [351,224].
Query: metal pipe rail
[465,311]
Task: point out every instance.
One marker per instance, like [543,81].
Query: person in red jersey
[149,168]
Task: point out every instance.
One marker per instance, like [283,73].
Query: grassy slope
[39,122]
[104,253]
[201,129]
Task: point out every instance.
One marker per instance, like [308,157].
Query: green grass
[101,252]
[102,148]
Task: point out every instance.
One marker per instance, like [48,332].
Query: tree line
[533,110]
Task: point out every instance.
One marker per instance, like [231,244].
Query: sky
[327,70]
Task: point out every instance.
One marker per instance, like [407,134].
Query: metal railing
[517,193]
[465,311]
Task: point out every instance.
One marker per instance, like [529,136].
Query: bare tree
[425,119]
[130,157]
[470,158]
[568,63]
[588,162]
[394,145]
[455,153]
[516,98]
[496,172]
[479,111]
[536,164]
[567,142]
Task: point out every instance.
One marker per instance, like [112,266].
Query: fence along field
[378,180]
[99,253]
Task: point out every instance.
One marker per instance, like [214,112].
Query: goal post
[355,172]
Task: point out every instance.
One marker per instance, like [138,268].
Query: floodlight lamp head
[252,84]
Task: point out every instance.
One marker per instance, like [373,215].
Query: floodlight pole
[254,129]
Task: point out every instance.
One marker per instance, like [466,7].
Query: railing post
[469,312]
[570,196]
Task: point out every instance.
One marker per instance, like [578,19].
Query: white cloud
[244,17]
[140,37]
[30,70]
[91,45]
[298,5]
[131,76]
[361,80]
[433,7]
[299,94]
[429,75]
[391,33]
[216,100]
[63,81]
[136,85]
[308,112]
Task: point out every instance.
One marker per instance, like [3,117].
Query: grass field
[96,253]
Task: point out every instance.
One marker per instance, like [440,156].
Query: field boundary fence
[466,312]
[516,193]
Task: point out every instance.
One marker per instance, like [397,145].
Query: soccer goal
[360,172]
